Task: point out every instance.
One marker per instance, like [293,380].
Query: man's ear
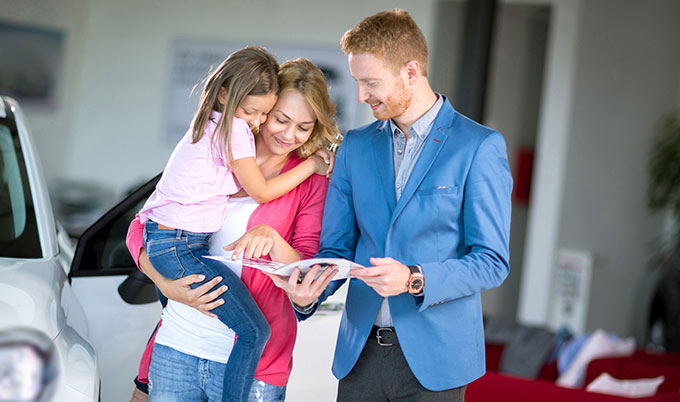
[412,70]
[222,96]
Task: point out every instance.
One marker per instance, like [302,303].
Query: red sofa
[640,365]
[495,386]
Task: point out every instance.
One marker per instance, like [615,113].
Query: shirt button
[398,185]
[399,152]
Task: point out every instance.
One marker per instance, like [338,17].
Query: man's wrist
[415,283]
[422,291]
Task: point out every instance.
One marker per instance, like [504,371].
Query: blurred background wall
[576,87]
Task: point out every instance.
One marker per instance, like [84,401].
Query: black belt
[384,335]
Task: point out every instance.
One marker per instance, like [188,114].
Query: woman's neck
[270,164]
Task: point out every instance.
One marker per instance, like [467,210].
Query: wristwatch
[416,280]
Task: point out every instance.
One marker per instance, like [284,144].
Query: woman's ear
[222,96]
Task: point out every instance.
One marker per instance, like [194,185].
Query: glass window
[18,228]
[106,249]
[101,248]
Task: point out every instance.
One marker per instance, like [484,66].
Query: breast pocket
[438,211]
[438,190]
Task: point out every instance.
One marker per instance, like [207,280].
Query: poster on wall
[571,289]
[30,64]
[192,60]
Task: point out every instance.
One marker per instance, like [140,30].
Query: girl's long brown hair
[248,71]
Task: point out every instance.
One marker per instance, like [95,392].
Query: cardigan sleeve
[307,222]
[134,240]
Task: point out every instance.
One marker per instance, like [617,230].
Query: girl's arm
[263,239]
[263,190]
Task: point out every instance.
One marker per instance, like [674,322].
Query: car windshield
[18,228]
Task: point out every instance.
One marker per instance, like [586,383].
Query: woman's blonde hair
[248,71]
[305,77]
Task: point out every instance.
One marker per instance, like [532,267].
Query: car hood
[30,294]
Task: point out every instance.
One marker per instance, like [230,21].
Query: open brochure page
[343,266]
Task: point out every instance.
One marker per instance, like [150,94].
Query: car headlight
[27,366]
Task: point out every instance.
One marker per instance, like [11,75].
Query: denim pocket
[197,245]
[166,261]
[160,246]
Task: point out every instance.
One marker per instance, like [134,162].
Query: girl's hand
[256,242]
[321,165]
[329,158]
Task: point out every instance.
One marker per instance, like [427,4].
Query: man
[420,197]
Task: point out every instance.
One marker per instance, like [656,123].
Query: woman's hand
[304,292]
[329,158]
[262,240]
[256,242]
[180,289]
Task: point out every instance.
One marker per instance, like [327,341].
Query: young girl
[214,159]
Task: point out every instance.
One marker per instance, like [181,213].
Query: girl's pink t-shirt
[296,216]
[194,190]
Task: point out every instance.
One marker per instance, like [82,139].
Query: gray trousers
[382,374]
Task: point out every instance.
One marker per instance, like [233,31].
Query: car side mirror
[137,288]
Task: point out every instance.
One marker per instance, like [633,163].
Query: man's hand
[387,276]
[304,293]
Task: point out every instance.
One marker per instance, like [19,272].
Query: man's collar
[421,127]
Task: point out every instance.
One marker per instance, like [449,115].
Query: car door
[120,302]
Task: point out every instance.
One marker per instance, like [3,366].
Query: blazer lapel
[433,145]
[382,149]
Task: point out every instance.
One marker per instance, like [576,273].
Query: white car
[64,326]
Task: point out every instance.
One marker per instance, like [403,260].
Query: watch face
[416,284]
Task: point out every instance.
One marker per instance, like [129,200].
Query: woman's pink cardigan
[296,216]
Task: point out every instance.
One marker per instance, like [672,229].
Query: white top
[188,330]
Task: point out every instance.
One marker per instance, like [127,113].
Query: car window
[101,249]
[18,228]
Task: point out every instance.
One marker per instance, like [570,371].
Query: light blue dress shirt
[405,154]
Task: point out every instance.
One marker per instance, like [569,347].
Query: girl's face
[254,109]
[289,124]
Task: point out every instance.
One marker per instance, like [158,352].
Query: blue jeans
[178,377]
[175,253]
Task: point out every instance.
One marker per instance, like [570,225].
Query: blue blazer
[453,219]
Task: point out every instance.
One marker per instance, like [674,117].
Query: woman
[287,229]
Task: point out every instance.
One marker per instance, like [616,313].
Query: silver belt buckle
[379,337]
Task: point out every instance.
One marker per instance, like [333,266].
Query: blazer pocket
[438,190]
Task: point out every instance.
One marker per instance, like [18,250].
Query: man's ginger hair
[391,36]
